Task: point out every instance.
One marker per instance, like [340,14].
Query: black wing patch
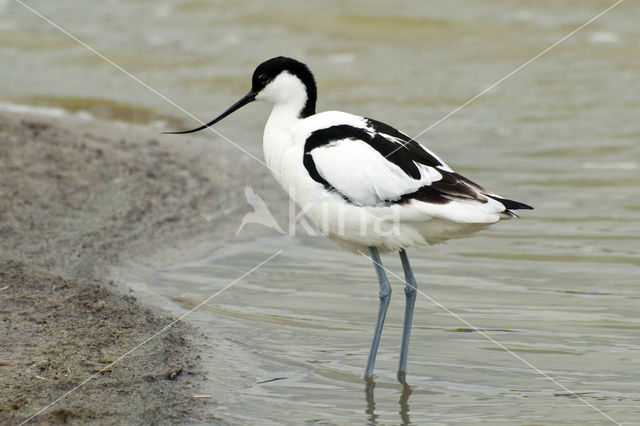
[413,148]
[451,187]
[406,155]
[310,165]
[455,186]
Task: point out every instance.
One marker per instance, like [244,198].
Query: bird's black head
[270,69]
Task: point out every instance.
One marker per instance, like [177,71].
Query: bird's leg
[385,295]
[410,291]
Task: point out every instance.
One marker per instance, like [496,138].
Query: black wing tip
[519,206]
[511,204]
[516,205]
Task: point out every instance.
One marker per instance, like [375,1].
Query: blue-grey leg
[410,291]
[385,295]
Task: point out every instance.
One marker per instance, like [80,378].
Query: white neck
[282,117]
[279,139]
[289,96]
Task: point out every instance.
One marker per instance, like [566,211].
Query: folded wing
[373,164]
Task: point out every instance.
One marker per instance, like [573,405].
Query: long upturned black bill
[249,97]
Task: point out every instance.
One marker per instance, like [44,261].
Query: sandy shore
[78,200]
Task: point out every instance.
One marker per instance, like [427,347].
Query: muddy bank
[58,331]
[78,199]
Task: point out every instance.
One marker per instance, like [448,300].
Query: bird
[364,184]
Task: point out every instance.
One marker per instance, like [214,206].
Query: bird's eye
[263,78]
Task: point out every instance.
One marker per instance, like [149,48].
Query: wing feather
[370,163]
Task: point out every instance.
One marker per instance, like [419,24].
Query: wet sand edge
[81,201]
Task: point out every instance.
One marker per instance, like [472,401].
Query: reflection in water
[369,387]
[404,398]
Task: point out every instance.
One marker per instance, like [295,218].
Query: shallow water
[558,288]
[304,320]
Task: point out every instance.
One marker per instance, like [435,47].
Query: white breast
[353,226]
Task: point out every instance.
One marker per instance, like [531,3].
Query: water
[289,341]
[305,319]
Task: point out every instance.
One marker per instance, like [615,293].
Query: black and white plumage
[398,170]
[364,184]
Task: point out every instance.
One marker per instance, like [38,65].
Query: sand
[80,199]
